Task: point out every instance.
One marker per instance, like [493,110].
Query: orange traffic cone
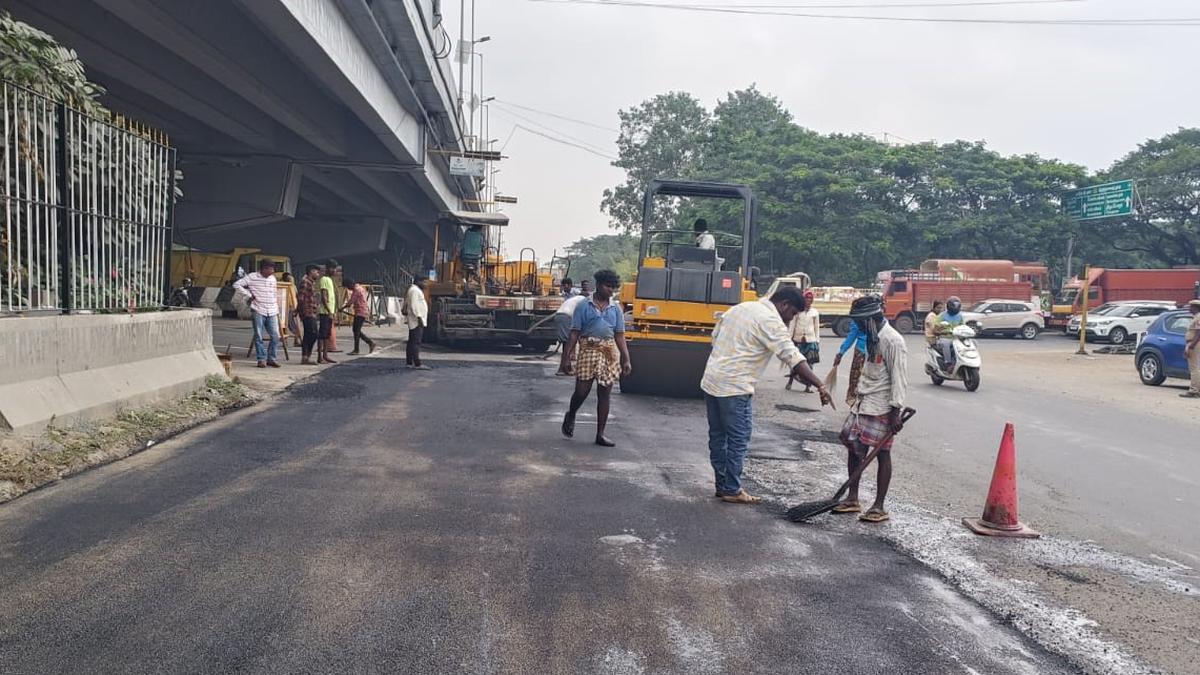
[1000,513]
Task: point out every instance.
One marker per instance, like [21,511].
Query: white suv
[1018,318]
[1120,321]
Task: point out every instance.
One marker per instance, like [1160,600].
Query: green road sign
[1100,201]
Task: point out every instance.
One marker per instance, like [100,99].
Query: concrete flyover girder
[319,36]
[232,194]
[305,239]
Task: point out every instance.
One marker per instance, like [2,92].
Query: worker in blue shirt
[598,329]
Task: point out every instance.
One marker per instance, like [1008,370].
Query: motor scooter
[967,360]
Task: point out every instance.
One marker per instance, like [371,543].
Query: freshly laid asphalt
[375,519]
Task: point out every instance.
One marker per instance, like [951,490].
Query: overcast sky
[1082,94]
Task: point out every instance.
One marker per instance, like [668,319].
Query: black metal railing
[87,209]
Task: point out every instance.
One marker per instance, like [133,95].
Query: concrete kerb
[86,367]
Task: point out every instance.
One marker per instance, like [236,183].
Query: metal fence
[87,207]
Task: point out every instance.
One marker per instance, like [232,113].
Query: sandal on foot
[742,497]
[848,507]
[874,516]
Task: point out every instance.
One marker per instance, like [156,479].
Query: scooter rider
[947,322]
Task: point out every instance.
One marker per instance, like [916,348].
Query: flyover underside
[295,133]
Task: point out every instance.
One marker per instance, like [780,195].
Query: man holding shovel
[875,413]
[743,342]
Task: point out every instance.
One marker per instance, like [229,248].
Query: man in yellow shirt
[931,321]
[326,311]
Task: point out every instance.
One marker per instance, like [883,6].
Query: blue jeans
[270,324]
[730,420]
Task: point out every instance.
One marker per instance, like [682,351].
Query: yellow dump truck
[209,269]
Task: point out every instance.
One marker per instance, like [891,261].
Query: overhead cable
[554,115]
[735,9]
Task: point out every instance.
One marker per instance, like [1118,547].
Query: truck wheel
[905,323]
[841,327]
[1030,331]
[971,378]
[1118,336]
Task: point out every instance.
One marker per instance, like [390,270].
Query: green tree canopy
[842,207]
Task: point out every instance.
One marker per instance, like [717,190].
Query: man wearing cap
[743,342]
[875,413]
[261,288]
[1191,350]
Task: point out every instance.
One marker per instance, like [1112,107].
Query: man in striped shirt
[261,288]
[743,342]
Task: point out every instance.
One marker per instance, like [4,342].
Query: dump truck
[908,295]
[681,291]
[1114,285]
[831,302]
[210,269]
[496,301]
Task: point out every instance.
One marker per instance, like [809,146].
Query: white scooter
[966,360]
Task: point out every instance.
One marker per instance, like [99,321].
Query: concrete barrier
[67,368]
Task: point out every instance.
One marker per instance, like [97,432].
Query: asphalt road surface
[375,519]
[1108,471]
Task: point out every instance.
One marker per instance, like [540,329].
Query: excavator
[682,290]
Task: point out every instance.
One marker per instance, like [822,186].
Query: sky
[1083,94]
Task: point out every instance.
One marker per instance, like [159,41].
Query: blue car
[1160,353]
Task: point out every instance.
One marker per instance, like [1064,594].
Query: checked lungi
[869,430]
[598,360]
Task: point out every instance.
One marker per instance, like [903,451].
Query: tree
[1166,226]
[661,138]
[617,252]
[33,59]
[842,207]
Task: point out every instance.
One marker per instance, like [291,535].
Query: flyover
[309,128]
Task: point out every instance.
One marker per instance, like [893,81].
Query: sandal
[742,497]
[848,507]
[874,516]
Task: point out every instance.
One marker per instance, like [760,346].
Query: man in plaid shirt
[306,307]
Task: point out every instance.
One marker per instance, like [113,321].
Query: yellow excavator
[682,290]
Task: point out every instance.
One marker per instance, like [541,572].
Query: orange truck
[908,295]
[1113,285]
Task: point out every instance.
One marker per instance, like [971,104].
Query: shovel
[802,512]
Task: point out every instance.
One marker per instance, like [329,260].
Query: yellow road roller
[682,289]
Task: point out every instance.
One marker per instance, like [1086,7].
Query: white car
[1006,317]
[1120,321]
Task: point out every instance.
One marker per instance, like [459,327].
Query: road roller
[681,289]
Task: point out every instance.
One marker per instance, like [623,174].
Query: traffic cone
[1000,513]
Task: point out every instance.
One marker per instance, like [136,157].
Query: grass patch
[27,463]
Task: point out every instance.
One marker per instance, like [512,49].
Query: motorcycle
[967,360]
[180,297]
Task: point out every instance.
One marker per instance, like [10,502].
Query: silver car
[1016,318]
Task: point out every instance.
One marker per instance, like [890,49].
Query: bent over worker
[598,329]
[875,413]
[743,341]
